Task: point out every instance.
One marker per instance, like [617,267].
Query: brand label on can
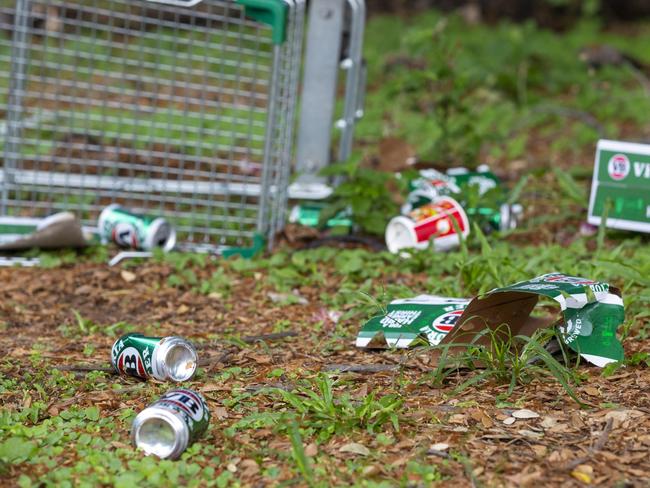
[132,355]
[125,234]
[130,230]
[190,405]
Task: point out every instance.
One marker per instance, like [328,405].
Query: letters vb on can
[621,182]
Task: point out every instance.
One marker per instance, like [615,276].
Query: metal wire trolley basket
[182,109]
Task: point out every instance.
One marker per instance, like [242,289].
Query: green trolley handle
[269,12]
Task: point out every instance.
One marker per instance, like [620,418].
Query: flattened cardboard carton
[591,312]
[58,231]
[420,320]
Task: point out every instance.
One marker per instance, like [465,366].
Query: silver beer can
[164,358]
[135,231]
[170,424]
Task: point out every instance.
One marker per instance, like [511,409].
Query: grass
[483,93]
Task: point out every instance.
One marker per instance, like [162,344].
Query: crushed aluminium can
[506,217]
[167,358]
[482,178]
[430,185]
[437,221]
[135,231]
[308,215]
[166,427]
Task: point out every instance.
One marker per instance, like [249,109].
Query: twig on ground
[604,436]
[215,359]
[128,389]
[434,452]
[361,368]
[269,337]
[85,368]
[252,339]
[262,387]
[600,443]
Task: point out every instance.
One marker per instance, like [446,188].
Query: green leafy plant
[514,360]
[365,192]
[328,413]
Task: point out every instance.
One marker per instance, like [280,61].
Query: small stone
[509,420]
[127,276]
[371,470]
[525,414]
[311,450]
[355,448]
[440,447]
[548,422]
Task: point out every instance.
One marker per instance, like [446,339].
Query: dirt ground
[605,443]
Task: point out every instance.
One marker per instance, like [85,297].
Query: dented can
[163,358]
[308,215]
[169,425]
[506,217]
[135,231]
[439,222]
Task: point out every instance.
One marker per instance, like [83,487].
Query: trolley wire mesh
[186,113]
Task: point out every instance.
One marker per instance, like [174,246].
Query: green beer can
[308,215]
[166,427]
[163,358]
[135,231]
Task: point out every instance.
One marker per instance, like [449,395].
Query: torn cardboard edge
[58,231]
[591,312]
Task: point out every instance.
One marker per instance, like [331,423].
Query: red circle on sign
[618,167]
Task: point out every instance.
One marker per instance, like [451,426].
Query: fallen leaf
[311,450]
[591,391]
[525,478]
[621,416]
[220,413]
[355,448]
[84,290]
[530,434]
[457,419]
[182,309]
[539,450]
[249,467]
[548,422]
[584,473]
[127,276]
[371,470]
[525,414]
[576,421]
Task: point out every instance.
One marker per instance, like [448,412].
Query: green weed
[499,357]
[328,413]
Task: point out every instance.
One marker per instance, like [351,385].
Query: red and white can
[431,222]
